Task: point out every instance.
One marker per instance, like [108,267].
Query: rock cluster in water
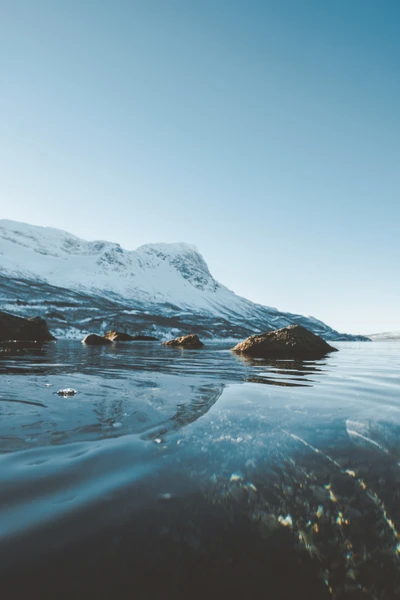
[290,342]
[115,336]
[186,341]
[294,342]
[13,328]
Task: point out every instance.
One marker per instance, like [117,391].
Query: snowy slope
[163,280]
[387,336]
[173,273]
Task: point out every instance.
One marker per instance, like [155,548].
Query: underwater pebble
[117,425]
[286,521]
[67,392]
[166,496]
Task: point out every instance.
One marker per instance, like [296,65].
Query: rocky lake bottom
[198,473]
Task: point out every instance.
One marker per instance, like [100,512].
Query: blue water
[174,472]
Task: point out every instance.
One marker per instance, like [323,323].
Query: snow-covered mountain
[387,336]
[81,286]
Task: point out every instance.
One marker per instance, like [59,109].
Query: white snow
[385,336]
[154,273]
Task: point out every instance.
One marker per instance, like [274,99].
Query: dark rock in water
[186,341]
[96,340]
[13,328]
[117,336]
[290,342]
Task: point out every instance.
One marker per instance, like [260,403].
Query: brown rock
[186,341]
[96,340]
[290,342]
[13,328]
[117,336]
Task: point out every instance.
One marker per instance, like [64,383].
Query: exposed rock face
[14,328]
[290,342]
[96,340]
[186,341]
[117,336]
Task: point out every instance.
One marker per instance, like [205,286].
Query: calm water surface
[197,473]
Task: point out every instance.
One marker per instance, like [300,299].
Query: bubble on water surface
[67,392]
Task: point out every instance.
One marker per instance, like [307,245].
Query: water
[199,473]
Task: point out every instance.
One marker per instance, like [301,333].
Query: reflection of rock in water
[343,512]
[288,373]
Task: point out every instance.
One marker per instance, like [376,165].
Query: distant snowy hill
[389,336]
[81,286]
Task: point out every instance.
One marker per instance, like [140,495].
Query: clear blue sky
[265,132]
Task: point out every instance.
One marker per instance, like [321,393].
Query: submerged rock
[96,340]
[118,336]
[13,328]
[290,342]
[186,341]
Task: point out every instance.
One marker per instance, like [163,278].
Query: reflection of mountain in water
[123,389]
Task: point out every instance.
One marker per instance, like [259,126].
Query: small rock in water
[67,392]
[117,425]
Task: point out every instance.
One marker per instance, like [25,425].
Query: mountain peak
[171,280]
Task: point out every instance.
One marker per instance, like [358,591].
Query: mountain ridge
[392,336]
[64,278]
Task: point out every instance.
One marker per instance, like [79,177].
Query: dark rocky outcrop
[96,340]
[186,341]
[13,328]
[117,336]
[290,342]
